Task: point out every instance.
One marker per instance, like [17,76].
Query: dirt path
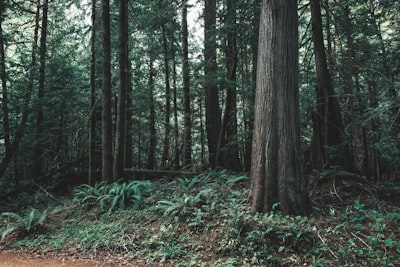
[13,259]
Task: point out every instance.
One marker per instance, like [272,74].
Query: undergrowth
[205,221]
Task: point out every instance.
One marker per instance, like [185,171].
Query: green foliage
[32,221]
[115,196]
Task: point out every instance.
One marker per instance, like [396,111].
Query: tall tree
[327,119]
[107,166]
[151,158]
[38,151]
[276,162]
[3,78]
[92,114]
[167,118]
[120,135]
[213,112]
[228,148]
[19,134]
[187,135]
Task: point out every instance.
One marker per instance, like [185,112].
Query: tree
[187,136]
[213,112]
[92,111]
[38,152]
[3,78]
[276,163]
[107,166]
[327,119]
[120,135]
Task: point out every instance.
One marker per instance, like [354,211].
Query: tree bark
[92,114]
[327,119]
[120,135]
[38,149]
[228,148]
[213,112]
[107,160]
[187,134]
[166,143]
[151,159]
[3,78]
[276,162]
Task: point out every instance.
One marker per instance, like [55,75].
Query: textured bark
[327,119]
[38,149]
[106,125]
[92,116]
[187,134]
[276,175]
[120,135]
[3,78]
[151,159]
[228,147]
[213,112]
[167,118]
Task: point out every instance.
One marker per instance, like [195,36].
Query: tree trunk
[213,112]
[327,120]
[175,103]
[276,161]
[359,160]
[92,114]
[38,149]
[165,154]
[228,147]
[27,98]
[250,122]
[187,134]
[3,78]
[106,137]
[120,135]
[151,159]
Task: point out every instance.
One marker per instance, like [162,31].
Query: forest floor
[205,221]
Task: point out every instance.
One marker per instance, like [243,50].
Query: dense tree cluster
[109,85]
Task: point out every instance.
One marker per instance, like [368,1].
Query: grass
[205,221]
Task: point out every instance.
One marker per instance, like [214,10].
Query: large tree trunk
[276,161]
[327,120]
[107,165]
[213,112]
[38,147]
[120,135]
[187,134]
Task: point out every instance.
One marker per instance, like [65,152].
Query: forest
[228,132]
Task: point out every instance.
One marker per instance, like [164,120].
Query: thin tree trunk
[119,160]
[151,160]
[231,159]
[187,135]
[38,147]
[175,99]
[92,114]
[213,112]
[107,165]
[167,126]
[3,77]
